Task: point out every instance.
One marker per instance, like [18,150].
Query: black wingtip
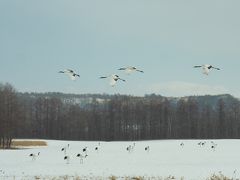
[70,70]
[197,66]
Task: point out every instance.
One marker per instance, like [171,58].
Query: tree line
[115,117]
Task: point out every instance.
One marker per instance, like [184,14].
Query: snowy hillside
[164,158]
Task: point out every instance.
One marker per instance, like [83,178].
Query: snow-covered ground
[165,157]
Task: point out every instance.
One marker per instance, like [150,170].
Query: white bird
[67,158]
[71,74]
[97,148]
[147,148]
[113,79]
[213,146]
[34,156]
[64,149]
[129,148]
[130,69]
[206,68]
[81,157]
[234,175]
[85,150]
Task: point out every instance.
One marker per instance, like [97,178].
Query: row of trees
[118,117]
[9,114]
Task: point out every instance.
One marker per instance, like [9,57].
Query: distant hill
[210,100]
[84,100]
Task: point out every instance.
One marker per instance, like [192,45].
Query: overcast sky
[164,38]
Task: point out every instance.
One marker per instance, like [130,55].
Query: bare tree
[9,114]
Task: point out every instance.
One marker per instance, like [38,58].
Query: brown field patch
[17,143]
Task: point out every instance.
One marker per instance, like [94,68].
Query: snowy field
[165,158]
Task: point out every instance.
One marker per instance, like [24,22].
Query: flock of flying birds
[113,78]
